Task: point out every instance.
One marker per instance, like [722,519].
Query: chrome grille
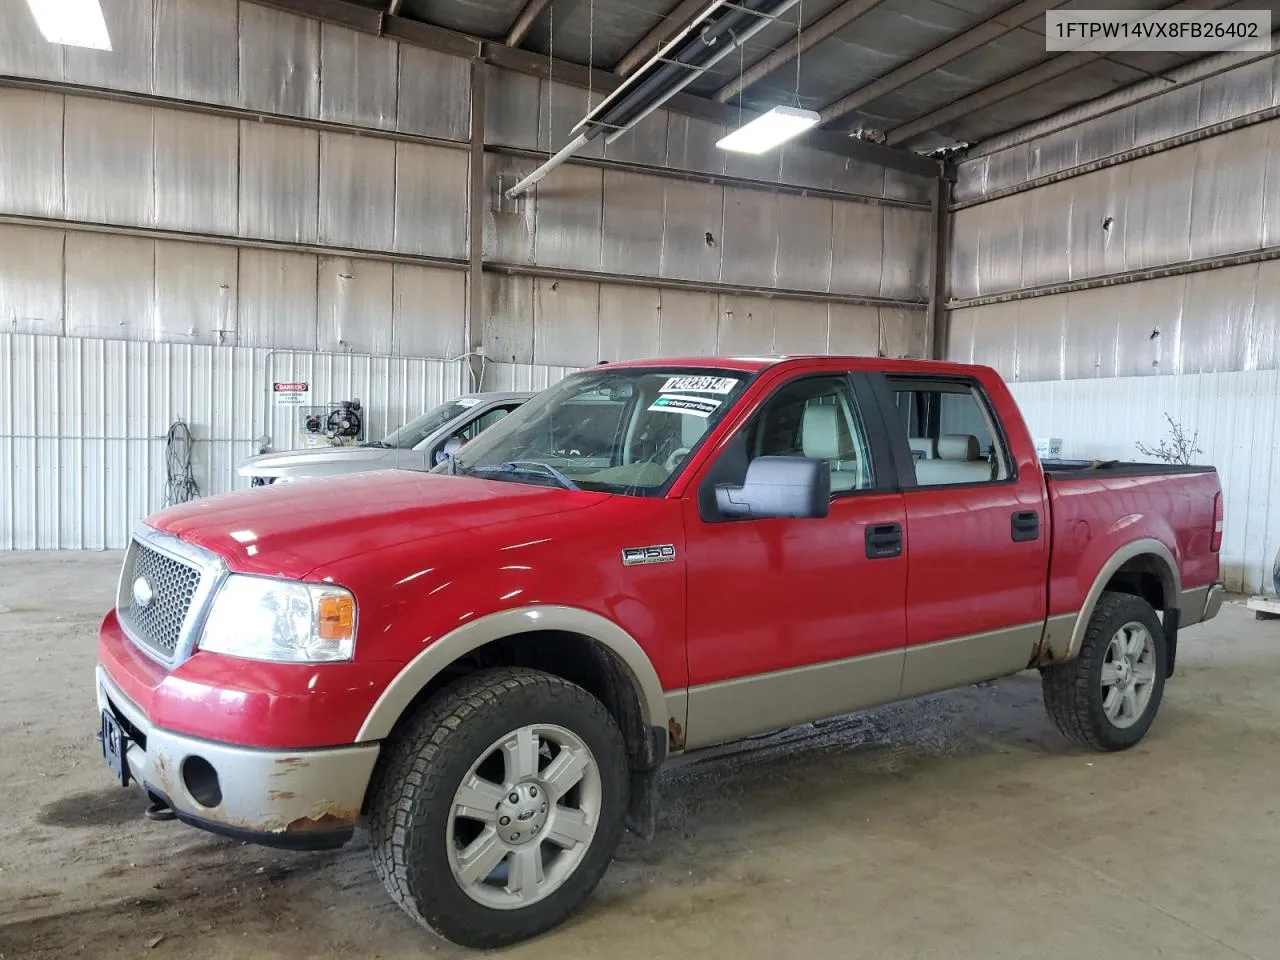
[157,625]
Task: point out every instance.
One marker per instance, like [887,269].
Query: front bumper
[302,799]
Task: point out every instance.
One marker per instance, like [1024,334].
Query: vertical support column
[477,195]
[936,318]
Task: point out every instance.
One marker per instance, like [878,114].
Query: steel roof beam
[664,30]
[532,10]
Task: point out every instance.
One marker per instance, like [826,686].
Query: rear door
[791,620]
[977,535]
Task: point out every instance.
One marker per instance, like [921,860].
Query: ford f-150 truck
[488,664]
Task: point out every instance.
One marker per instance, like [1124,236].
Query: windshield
[418,429]
[624,430]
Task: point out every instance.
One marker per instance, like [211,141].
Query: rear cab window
[951,430]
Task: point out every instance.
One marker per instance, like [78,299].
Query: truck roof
[757,364]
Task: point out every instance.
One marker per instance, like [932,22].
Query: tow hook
[160,811]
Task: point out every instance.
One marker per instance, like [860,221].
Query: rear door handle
[884,540]
[1025,526]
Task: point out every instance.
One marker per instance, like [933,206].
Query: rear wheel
[1108,696]
[498,809]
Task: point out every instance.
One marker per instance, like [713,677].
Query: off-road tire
[421,768]
[1073,693]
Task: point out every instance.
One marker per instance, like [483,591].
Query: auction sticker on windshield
[695,406]
[721,385]
[468,401]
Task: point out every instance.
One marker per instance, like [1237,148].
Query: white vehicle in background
[418,445]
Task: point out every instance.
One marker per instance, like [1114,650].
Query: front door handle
[884,540]
[1025,526]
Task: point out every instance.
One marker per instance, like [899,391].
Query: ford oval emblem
[142,593]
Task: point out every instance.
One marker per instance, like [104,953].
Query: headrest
[820,433]
[958,446]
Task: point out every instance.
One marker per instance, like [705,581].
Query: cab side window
[951,432]
[815,417]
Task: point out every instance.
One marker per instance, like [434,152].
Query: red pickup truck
[490,663]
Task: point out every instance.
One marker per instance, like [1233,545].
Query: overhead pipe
[676,65]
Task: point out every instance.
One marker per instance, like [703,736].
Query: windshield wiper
[376,443]
[526,468]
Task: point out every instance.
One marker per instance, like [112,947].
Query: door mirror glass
[778,487]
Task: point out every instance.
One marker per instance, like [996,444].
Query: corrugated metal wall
[83,425]
[1128,266]
[233,180]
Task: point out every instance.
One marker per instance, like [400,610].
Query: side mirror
[451,448]
[779,487]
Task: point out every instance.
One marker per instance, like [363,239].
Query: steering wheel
[674,458]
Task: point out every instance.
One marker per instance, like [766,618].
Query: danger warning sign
[291,394]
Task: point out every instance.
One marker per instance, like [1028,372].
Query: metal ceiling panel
[587,29]
[750,238]
[853,331]
[799,327]
[508,326]
[128,64]
[1230,180]
[968,234]
[429,308]
[1047,245]
[31,153]
[279,61]
[355,306]
[360,189]
[1159,214]
[508,236]
[481,18]
[277,303]
[358,78]
[689,323]
[110,286]
[1041,325]
[1167,115]
[1009,167]
[1236,93]
[1271,196]
[691,144]
[25,53]
[629,320]
[1099,222]
[1217,322]
[197,166]
[31,296]
[1053,154]
[511,105]
[693,232]
[279,182]
[804,242]
[431,188]
[434,95]
[570,218]
[196,50]
[857,248]
[632,234]
[560,107]
[566,322]
[196,288]
[746,326]
[1105,136]
[974,178]
[645,143]
[109,152]
[906,253]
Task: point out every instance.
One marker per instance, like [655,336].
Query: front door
[791,620]
[977,534]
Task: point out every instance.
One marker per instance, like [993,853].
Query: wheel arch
[1134,568]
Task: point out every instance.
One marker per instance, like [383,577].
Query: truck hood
[289,530]
[291,461]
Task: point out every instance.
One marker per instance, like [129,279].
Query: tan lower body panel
[743,707]
[937,666]
[1192,604]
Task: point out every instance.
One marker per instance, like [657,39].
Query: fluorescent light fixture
[75,23]
[770,129]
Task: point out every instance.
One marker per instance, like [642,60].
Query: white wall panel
[279,61]
[196,50]
[279,182]
[109,151]
[357,191]
[354,306]
[693,235]
[358,77]
[196,291]
[196,172]
[689,323]
[430,305]
[434,97]
[1233,413]
[110,286]
[629,321]
[632,228]
[83,448]
[31,153]
[431,189]
[128,64]
[31,294]
[277,303]
[746,326]
[566,322]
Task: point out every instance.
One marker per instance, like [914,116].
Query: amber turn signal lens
[337,617]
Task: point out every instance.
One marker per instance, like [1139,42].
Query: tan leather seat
[820,439]
[959,460]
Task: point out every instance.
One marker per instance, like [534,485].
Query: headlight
[280,620]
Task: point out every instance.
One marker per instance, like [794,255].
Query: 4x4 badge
[636,556]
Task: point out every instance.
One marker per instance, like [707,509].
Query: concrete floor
[953,827]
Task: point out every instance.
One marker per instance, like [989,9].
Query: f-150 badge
[636,556]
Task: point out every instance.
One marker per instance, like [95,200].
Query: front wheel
[1106,698]
[498,809]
